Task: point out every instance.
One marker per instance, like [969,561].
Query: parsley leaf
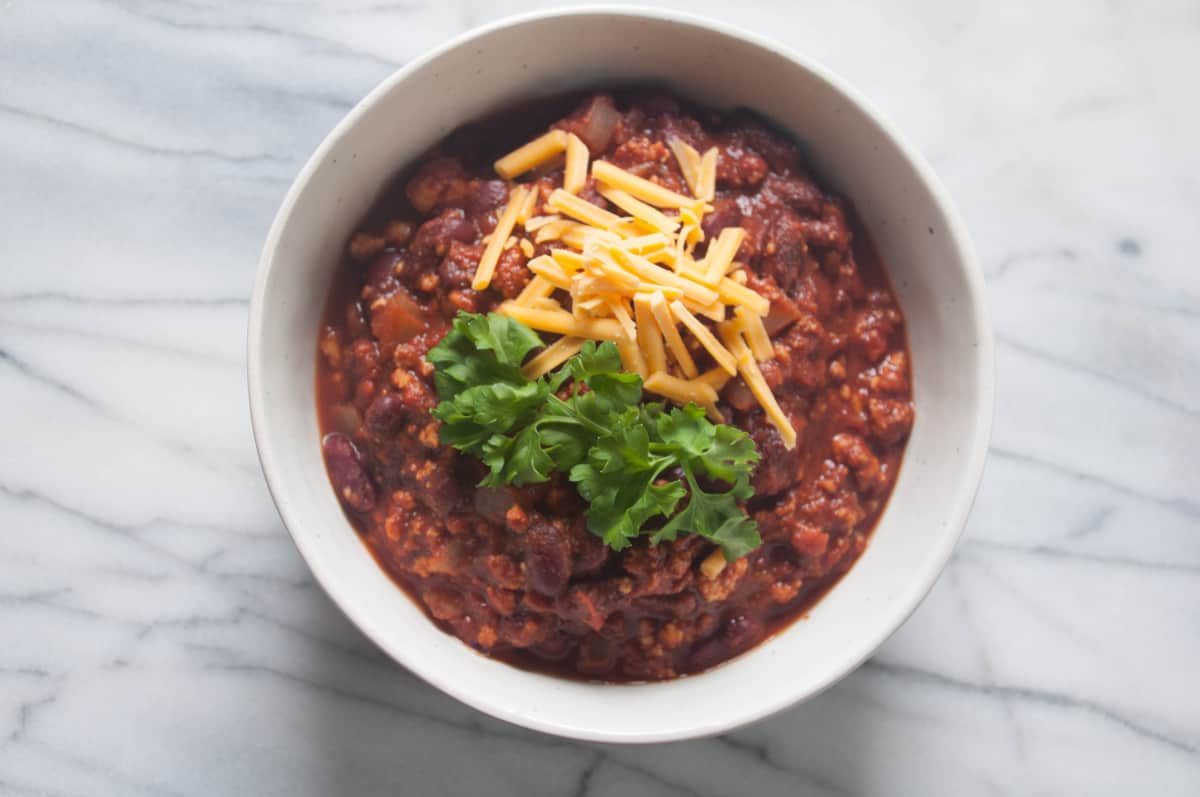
[481,350]
[716,517]
[618,480]
[634,463]
[475,414]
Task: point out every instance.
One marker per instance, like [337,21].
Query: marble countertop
[160,634]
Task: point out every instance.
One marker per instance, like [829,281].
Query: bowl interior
[919,239]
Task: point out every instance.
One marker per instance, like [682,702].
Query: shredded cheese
[610,268]
[714,311]
[561,322]
[755,333]
[649,272]
[570,261]
[758,386]
[616,177]
[646,243]
[537,222]
[666,324]
[538,288]
[504,226]
[713,564]
[665,290]
[554,230]
[617,305]
[731,336]
[719,260]
[692,215]
[527,207]
[581,209]
[575,173]
[551,357]
[581,235]
[716,378]
[661,257]
[681,391]
[707,181]
[634,279]
[719,353]
[648,334]
[531,155]
[689,163]
[714,413]
[548,269]
[631,356]
[640,211]
[585,307]
[733,293]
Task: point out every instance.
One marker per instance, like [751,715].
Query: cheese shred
[719,260]
[633,279]
[719,353]
[575,172]
[504,227]
[681,391]
[689,163]
[640,187]
[534,154]
[561,322]
[707,188]
[666,323]
[551,357]
[648,334]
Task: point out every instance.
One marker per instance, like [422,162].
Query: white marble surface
[160,635]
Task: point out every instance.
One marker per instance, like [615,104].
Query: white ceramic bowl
[922,243]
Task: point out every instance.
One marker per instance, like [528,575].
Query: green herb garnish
[625,457]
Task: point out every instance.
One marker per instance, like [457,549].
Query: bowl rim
[973,461]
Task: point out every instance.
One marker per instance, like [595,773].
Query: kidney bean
[553,648]
[707,654]
[385,416]
[780,153]
[380,272]
[434,237]
[547,559]
[725,214]
[779,466]
[590,551]
[742,632]
[798,193]
[830,230]
[346,471]
[785,251]
[485,196]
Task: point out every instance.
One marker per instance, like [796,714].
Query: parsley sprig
[632,462]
